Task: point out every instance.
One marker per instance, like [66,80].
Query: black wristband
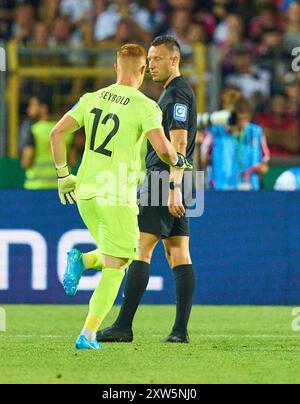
[174,186]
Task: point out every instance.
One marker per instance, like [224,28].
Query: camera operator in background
[224,117]
[234,155]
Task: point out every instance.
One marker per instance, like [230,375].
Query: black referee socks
[137,279]
[185,281]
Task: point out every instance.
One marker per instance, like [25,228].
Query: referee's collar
[171,82]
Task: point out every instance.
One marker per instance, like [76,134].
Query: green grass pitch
[228,345]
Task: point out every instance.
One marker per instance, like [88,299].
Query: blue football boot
[83,343]
[74,271]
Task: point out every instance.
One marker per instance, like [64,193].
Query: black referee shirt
[178,104]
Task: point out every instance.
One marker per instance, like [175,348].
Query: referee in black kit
[167,223]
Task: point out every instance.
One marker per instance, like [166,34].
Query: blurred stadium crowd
[254,40]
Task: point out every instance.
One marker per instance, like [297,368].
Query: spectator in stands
[48,10]
[24,22]
[220,11]
[6,19]
[188,5]
[245,8]
[156,16]
[40,35]
[36,157]
[270,56]
[253,81]
[285,4]
[228,36]
[127,32]
[110,16]
[196,34]
[292,28]
[180,25]
[76,11]
[292,90]
[103,13]
[271,44]
[268,19]
[86,34]
[235,157]
[281,127]
[231,25]
[61,32]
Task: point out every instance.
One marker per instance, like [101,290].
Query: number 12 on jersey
[102,148]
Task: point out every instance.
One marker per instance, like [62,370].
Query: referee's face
[161,63]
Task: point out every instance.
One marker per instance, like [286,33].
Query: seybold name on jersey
[180,112]
[118,99]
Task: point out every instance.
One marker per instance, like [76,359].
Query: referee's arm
[179,141]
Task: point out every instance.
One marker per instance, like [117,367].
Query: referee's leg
[137,279]
[178,256]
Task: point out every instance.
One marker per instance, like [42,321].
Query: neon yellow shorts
[114,228]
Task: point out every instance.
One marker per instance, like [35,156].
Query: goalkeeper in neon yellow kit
[116,121]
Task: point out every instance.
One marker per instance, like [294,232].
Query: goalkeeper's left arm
[66,181]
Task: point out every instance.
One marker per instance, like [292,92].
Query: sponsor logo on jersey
[180,112]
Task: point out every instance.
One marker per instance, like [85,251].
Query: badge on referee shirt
[180,112]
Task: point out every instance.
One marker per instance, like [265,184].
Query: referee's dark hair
[169,41]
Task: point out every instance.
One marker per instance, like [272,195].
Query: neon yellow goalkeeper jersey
[116,120]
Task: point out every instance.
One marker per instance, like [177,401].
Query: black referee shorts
[157,219]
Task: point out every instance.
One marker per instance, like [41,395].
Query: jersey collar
[172,82]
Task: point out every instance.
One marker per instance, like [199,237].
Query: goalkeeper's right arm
[165,150]
[66,181]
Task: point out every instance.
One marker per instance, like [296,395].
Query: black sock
[185,285]
[137,279]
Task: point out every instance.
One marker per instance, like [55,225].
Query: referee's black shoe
[177,338]
[114,334]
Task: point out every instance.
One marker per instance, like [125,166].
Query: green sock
[103,300]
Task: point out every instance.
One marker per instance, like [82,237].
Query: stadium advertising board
[245,250]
